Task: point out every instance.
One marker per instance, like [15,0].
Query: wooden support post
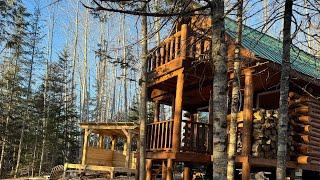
[101,141]
[128,151]
[113,143]
[164,170]
[184,33]
[148,169]
[177,114]
[169,169]
[247,123]
[187,172]
[85,146]
[156,111]
[112,174]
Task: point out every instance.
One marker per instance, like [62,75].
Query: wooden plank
[165,72]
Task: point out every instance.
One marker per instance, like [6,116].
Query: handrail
[159,135]
[195,137]
[171,48]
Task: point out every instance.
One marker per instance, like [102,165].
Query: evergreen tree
[13,90]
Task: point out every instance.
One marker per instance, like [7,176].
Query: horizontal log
[300,127]
[294,95]
[309,121]
[304,99]
[305,138]
[303,159]
[305,149]
[301,102]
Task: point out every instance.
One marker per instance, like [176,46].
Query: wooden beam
[178,114]
[148,169]
[85,146]
[187,172]
[165,74]
[247,123]
[164,170]
[169,169]
[184,34]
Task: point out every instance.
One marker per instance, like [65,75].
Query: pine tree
[34,54]
[16,45]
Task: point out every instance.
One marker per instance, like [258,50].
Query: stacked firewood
[304,114]
[264,133]
[264,140]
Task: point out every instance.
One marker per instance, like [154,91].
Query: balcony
[194,138]
[177,51]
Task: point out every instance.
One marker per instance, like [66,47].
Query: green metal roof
[270,48]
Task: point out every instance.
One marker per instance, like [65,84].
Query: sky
[64,13]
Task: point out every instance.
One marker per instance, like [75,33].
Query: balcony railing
[170,49]
[182,44]
[196,137]
[159,135]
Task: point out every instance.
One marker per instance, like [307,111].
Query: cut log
[303,159]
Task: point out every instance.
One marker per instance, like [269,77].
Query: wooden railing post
[176,139]
[169,169]
[149,169]
[247,123]
[85,147]
[101,141]
[128,150]
[184,34]
[113,143]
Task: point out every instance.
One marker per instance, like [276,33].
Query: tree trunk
[28,95]
[219,89]
[45,93]
[143,95]
[125,67]
[284,92]
[235,97]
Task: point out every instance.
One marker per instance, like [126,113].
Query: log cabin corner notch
[179,76]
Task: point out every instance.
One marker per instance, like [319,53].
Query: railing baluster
[176,48]
[172,49]
[167,52]
[166,135]
[158,135]
[162,55]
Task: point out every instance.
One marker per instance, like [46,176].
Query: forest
[65,62]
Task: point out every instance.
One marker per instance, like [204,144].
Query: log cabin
[97,156]
[180,76]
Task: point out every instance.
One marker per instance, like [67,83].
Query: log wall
[303,131]
[305,122]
